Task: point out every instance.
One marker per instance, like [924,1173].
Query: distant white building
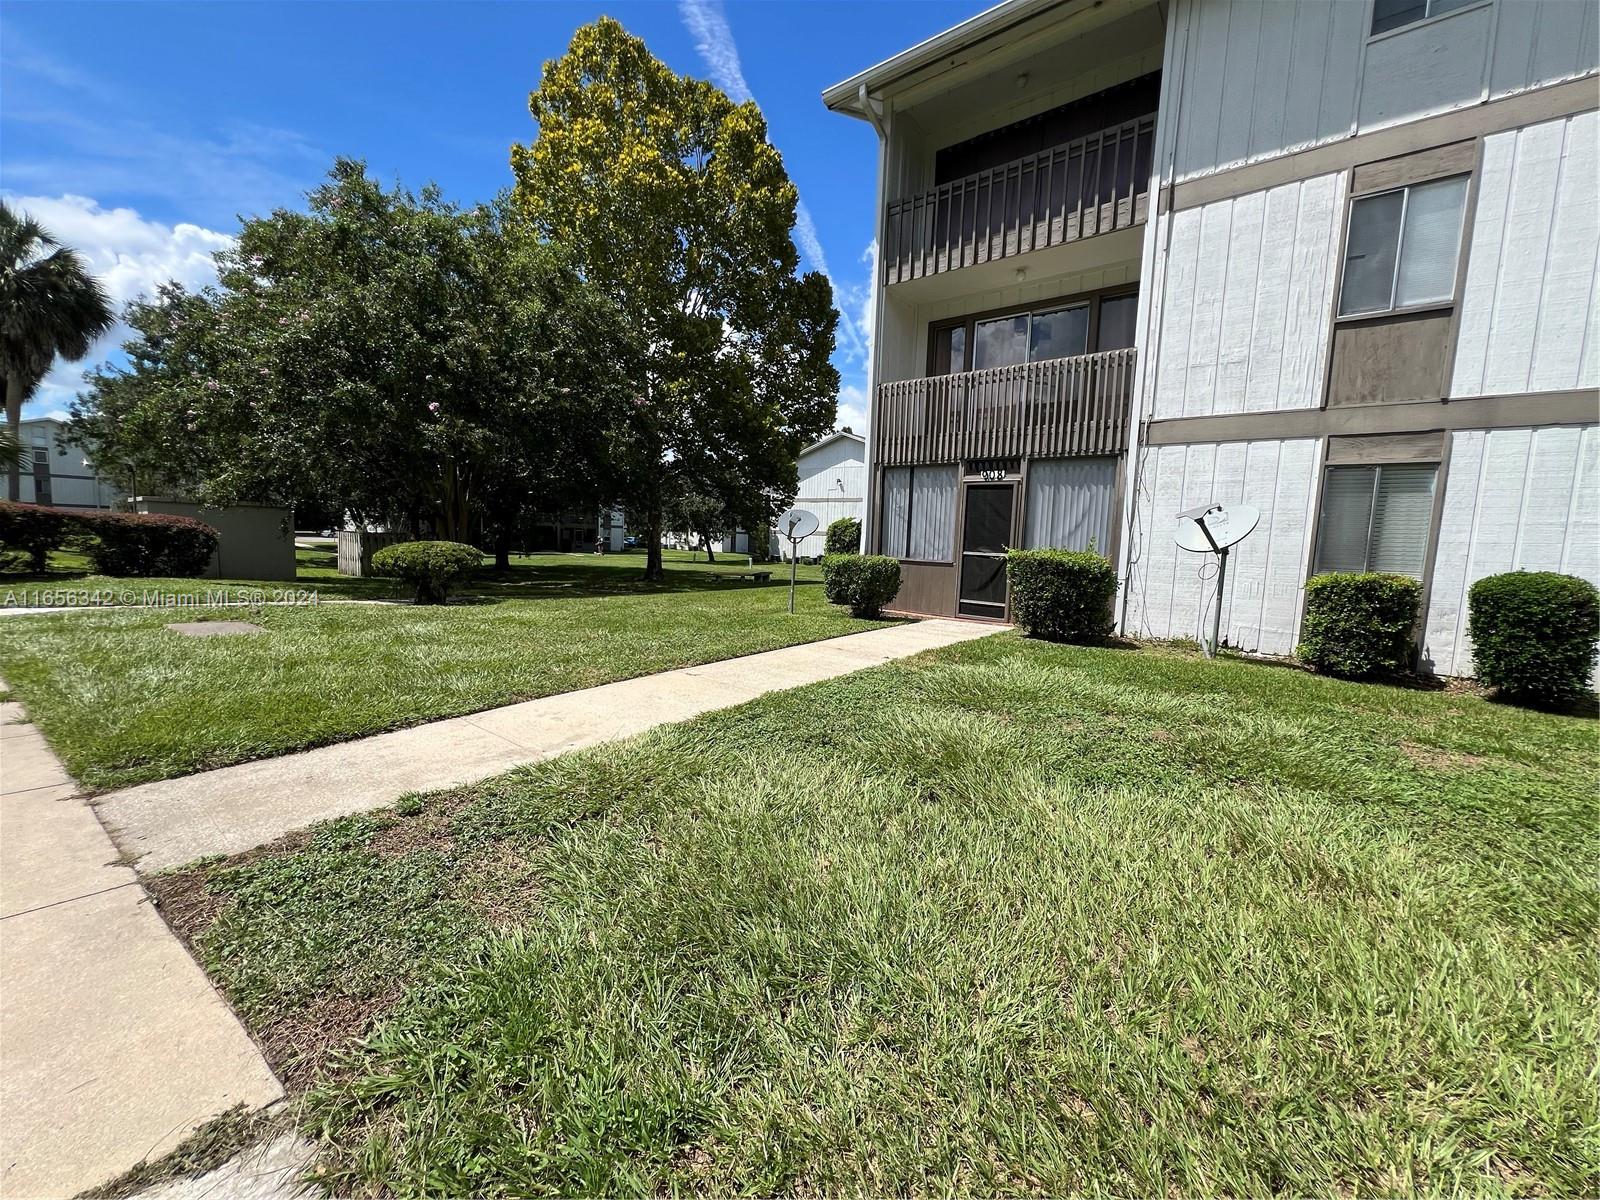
[833,483]
[57,474]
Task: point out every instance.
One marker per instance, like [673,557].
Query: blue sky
[140,132]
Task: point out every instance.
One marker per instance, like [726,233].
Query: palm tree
[49,305]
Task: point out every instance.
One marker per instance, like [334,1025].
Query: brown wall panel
[926,588]
[1390,359]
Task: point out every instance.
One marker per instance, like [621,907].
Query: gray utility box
[255,541]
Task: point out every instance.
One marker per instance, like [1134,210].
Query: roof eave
[844,97]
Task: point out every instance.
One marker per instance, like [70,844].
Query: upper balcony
[1091,185]
[1058,407]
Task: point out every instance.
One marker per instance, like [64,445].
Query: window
[1069,504]
[1376,518]
[1392,14]
[1402,246]
[950,350]
[1117,314]
[1011,339]
[1000,343]
[919,513]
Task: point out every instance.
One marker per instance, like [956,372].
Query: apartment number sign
[994,472]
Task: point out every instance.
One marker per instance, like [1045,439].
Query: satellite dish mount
[796,525]
[1212,529]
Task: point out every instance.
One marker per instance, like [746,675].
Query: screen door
[984,534]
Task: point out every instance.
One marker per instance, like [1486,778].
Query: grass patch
[1009,918]
[123,700]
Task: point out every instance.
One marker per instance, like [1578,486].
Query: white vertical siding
[833,484]
[1244,316]
[1543,42]
[1167,596]
[1514,500]
[1528,309]
[1268,77]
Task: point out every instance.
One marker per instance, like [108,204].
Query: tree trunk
[502,548]
[14,424]
[705,538]
[653,572]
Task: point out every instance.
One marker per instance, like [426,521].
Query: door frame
[972,477]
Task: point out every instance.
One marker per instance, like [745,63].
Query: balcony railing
[1096,184]
[1056,408]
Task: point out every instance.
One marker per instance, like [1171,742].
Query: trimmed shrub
[866,582]
[1534,634]
[844,537]
[1062,595]
[1359,624]
[28,532]
[435,567]
[147,543]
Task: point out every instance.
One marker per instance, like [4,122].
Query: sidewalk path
[113,1045]
[174,821]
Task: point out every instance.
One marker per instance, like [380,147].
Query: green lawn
[1005,919]
[124,700]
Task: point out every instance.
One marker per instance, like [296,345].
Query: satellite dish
[1212,528]
[797,523]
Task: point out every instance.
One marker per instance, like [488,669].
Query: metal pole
[1216,617]
[794,557]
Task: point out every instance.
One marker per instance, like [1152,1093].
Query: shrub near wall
[1062,595]
[866,582]
[844,537]
[28,532]
[1534,634]
[147,543]
[1359,624]
[434,567]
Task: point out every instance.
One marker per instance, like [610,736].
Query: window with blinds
[1376,518]
[919,513]
[1069,504]
[1402,246]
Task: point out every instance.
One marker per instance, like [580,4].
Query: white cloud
[853,407]
[130,255]
[713,41]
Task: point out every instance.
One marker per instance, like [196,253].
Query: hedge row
[117,543]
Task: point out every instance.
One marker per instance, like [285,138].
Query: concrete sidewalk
[175,821]
[113,1045]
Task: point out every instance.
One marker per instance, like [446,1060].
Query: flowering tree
[669,197]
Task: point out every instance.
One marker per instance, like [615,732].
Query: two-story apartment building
[1335,259]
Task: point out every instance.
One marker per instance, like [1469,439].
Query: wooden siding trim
[1579,407]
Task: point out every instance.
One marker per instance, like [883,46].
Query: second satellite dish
[797,523]
[1212,528]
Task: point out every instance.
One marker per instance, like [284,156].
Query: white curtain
[933,514]
[1069,504]
[896,510]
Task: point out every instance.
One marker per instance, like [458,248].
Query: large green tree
[670,197]
[49,304]
[384,354]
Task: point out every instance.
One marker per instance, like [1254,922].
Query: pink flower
[433,406]
[212,385]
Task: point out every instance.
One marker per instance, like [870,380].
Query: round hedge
[1359,623]
[866,582]
[1534,634]
[1062,595]
[844,537]
[435,567]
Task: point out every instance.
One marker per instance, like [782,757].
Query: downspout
[872,110]
[1159,252]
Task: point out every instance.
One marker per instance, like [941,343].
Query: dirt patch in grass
[427,830]
[1435,759]
[298,1044]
